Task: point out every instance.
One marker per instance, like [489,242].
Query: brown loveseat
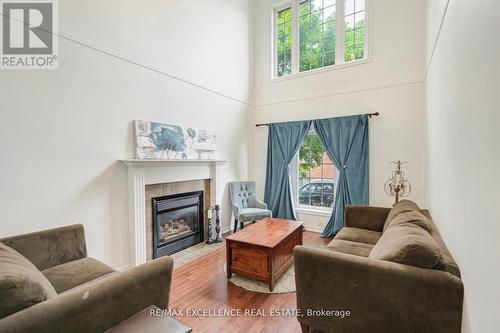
[48,284]
[375,277]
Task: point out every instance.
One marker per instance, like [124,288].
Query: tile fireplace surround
[147,178]
[161,190]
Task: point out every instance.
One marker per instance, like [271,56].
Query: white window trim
[274,39]
[310,211]
[339,49]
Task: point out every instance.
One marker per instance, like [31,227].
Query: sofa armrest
[97,305]
[366,217]
[381,296]
[51,247]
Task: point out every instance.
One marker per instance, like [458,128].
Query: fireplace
[177,222]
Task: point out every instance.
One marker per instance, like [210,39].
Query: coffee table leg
[228,259]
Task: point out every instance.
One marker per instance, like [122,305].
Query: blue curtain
[284,142]
[346,142]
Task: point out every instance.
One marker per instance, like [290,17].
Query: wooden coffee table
[264,250]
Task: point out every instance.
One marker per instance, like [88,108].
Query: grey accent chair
[246,205]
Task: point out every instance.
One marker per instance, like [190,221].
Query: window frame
[295,174]
[274,23]
[339,44]
[274,56]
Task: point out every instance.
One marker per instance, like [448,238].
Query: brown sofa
[377,278]
[48,284]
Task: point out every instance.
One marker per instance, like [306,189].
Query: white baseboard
[313,228]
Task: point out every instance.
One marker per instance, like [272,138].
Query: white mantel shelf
[142,172]
[134,162]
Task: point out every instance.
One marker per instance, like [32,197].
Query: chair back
[243,194]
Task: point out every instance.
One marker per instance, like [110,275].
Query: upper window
[284,37]
[316,175]
[354,45]
[317,29]
[311,34]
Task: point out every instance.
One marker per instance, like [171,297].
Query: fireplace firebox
[177,222]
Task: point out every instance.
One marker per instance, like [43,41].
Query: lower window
[316,178]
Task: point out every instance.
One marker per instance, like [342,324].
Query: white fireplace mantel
[142,172]
[134,162]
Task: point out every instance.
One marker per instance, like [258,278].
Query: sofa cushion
[402,206]
[407,218]
[75,273]
[21,283]
[359,235]
[407,244]
[349,247]
[446,262]
[48,248]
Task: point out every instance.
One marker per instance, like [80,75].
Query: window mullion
[275,43]
[295,36]
[340,32]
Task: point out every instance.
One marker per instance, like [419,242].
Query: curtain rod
[368,114]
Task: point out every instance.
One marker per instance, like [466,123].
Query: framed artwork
[172,142]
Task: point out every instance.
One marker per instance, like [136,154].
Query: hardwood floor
[202,285]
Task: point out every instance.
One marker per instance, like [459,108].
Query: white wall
[463,119]
[63,131]
[436,9]
[391,83]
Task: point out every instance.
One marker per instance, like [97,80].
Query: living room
[275,127]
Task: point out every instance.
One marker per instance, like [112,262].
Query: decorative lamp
[397,185]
